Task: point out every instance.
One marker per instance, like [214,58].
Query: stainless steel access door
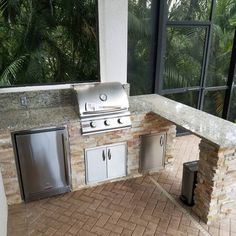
[116,161]
[152,152]
[42,163]
[106,162]
[96,165]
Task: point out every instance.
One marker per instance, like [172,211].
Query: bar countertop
[214,129]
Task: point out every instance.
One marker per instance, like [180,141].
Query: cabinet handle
[161,140]
[64,140]
[109,154]
[103,155]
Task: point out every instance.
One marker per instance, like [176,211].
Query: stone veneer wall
[215,193]
[8,168]
[141,124]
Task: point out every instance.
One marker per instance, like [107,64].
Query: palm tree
[177,71]
[139,37]
[47,41]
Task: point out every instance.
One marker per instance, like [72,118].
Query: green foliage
[139,47]
[184,55]
[223,33]
[188,9]
[188,98]
[12,70]
[47,41]
[232,113]
[185,45]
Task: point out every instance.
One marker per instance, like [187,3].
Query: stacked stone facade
[8,168]
[142,124]
[215,193]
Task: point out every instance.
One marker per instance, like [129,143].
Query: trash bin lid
[191,165]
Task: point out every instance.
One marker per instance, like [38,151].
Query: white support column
[113,31]
[3,209]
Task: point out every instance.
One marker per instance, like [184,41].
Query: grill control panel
[105,124]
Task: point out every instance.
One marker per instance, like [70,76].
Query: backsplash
[40,99]
[37,99]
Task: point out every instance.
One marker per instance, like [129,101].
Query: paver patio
[130,207]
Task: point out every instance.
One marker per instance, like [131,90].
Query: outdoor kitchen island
[216,188]
[215,193]
[58,109]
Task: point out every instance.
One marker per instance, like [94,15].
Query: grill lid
[102,98]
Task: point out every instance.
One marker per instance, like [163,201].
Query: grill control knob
[107,122]
[120,121]
[92,124]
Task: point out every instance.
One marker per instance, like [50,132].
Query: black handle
[103,155]
[66,166]
[109,154]
[161,140]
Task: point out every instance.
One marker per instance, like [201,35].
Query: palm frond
[219,102]
[12,70]
[138,27]
[173,79]
[3,6]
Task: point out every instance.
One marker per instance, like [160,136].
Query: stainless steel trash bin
[189,180]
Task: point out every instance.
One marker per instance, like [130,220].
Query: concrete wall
[113,30]
[3,209]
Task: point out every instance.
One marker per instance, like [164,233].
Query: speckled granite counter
[215,192]
[212,128]
[35,118]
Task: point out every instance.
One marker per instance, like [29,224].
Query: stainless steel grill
[103,107]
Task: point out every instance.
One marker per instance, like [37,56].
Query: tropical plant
[188,9]
[185,45]
[47,41]
[139,47]
[184,55]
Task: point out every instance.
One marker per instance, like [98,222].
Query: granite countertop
[36,118]
[216,130]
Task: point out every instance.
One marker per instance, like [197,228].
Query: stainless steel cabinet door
[42,162]
[116,161]
[96,166]
[153,150]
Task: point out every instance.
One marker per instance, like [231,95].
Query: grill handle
[103,111]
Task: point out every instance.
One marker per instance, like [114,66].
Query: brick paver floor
[131,207]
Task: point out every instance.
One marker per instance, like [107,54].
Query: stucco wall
[113,25]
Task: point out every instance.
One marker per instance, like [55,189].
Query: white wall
[113,30]
[3,209]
